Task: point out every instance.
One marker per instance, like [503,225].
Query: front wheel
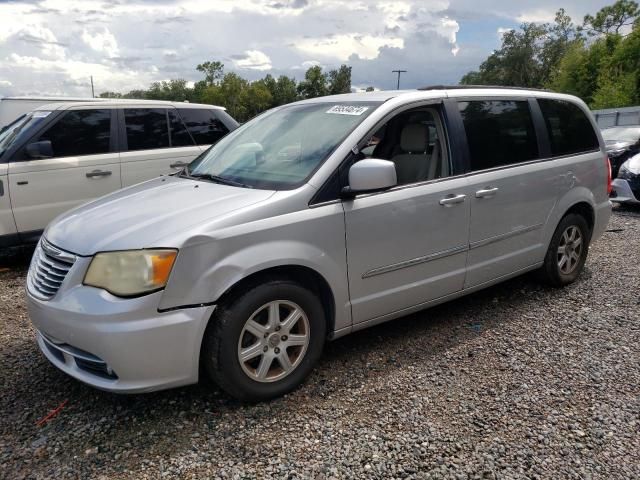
[264,342]
[567,251]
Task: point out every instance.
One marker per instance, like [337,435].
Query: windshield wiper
[218,179]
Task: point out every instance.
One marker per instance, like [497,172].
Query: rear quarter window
[570,131]
[203,125]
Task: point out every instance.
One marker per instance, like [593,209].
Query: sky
[52,47]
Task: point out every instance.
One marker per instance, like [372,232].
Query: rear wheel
[567,251]
[264,342]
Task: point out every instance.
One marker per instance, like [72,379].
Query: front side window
[570,131]
[280,149]
[79,132]
[499,132]
[146,128]
[20,128]
[203,125]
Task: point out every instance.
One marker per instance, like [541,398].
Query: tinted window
[146,128]
[80,132]
[570,131]
[179,135]
[204,126]
[498,132]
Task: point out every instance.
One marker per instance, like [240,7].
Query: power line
[398,72]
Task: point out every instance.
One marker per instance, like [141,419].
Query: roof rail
[464,87]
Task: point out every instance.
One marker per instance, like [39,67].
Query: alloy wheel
[570,250]
[273,341]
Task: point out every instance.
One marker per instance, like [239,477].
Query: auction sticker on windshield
[347,110]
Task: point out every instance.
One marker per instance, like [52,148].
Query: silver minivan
[311,221]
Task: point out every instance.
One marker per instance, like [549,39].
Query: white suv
[62,155]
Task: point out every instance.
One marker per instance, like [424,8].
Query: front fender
[314,239]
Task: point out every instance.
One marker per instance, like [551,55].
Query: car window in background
[203,125]
[20,128]
[79,132]
[179,135]
[570,131]
[146,128]
[281,148]
[621,134]
[498,132]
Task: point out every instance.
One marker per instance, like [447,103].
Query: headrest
[414,138]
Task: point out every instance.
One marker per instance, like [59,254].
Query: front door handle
[1,188]
[98,173]
[452,199]
[178,165]
[486,192]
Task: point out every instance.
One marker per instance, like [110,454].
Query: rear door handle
[1,188]
[452,199]
[486,192]
[98,173]
[178,165]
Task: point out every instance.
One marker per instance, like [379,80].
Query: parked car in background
[11,108]
[63,155]
[286,233]
[622,143]
[623,148]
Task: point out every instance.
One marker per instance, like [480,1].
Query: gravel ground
[517,381]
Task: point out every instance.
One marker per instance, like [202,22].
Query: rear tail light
[609,179]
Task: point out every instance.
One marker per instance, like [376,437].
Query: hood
[138,216]
[616,145]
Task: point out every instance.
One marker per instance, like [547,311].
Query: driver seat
[412,165]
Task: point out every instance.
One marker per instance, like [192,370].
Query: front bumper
[623,191]
[118,345]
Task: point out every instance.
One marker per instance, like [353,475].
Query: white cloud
[253,60]
[103,42]
[343,46]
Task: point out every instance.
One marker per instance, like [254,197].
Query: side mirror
[42,149]
[370,175]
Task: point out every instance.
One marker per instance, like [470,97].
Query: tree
[612,18]
[314,83]
[255,98]
[110,95]
[213,71]
[174,90]
[340,80]
[283,90]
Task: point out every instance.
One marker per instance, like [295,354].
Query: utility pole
[93,95]
[398,72]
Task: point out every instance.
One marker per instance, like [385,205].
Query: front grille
[49,267]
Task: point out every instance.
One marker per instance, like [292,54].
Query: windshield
[280,149]
[622,134]
[19,128]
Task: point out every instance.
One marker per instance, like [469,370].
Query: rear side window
[179,135]
[80,132]
[203,125]
[570,131]
[499,132]
[146,128]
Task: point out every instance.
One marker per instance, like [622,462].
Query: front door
[83,166]
[408,245]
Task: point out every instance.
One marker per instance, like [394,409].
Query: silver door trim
[503,236]
[414,261]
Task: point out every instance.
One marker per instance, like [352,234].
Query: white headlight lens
[131,273]
[633,165]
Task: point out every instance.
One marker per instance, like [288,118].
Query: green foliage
[241,98]
[611,19]
[603,69]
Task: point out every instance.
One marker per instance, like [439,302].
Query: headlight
[632,165]
[131,273]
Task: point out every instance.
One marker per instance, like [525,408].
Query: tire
[253,323]
[554,272]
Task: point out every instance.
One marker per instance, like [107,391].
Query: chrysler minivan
[65,154]
[311,221]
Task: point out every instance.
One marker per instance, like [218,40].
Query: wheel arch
[303,275]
